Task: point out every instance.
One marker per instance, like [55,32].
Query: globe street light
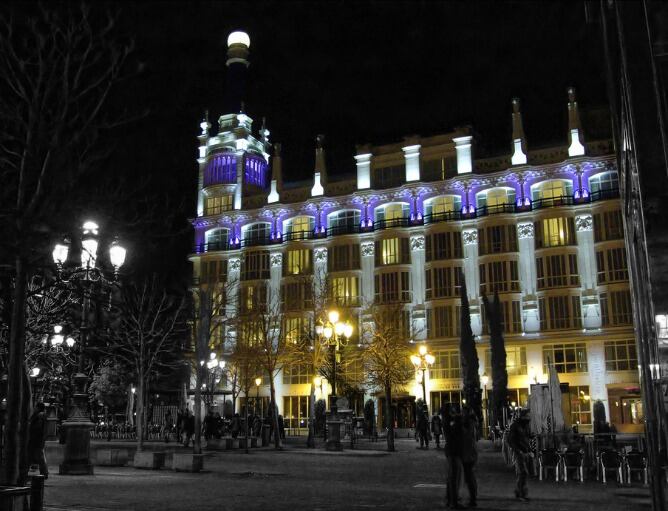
[484,379]
[76,459]
[258,382]
[423,361]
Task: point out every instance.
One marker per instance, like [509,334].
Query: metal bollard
[37,493]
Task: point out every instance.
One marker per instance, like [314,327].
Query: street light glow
[60,253]
[117,254]
[333,316]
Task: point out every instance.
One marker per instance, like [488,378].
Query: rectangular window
[442,246]
[443,282]
[219,204]
[611,265]
[555,232]
[511,316]
[296,296]
[297,262]
[501,276]
[343,258]
[620,304]
[213,272]
[557,271]
[567,358]
[497,239]
[345,291]
[443,321]
[388,177]
[297,374]
[392,287]
[296,328]
[438,169]
[446,366]
[253,297]
[392,251]
[255,265]
[516,360]
[560,312]
[608,225]
[621,355]
[580,404]
[295,411]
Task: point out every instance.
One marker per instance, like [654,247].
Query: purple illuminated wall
[221,169]
[255,171]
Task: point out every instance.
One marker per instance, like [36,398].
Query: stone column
[591,309]
[276,273]
[367,253]
[419,317]
[363,162]
[527,269]
[319,271]
[412,156]
[470,238]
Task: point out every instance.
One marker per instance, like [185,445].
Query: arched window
[299,228]
[441,206]
[604,182]
[257,234]
[552,189]
[217,239]
[393,214]
[346,221]
[495,198]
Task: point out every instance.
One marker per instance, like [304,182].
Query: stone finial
[205,124]
[264,132]
[575,146]
[320,175]
[519,143]
[276,186]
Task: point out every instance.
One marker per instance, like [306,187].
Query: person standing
[188,427]
[37,438]
[452,427]
[437,429]
[169,424]
[423,427]
[519,442]
[470,453]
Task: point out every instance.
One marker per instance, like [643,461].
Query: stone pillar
[591,309]
[319,271]
[596,366]
[419,319]
[470,238]
[240,180]
[464,154]
[412,156]
[527,269]
[276,274]
[363,162]
[367,253]
[233,278]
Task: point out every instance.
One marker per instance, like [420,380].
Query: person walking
[437,429]
[519,442]
[470,453]
[452,427]
[37,433]
[423,427]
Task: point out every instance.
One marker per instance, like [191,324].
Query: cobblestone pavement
[295,478]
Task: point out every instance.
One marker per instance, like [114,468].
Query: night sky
[357,72]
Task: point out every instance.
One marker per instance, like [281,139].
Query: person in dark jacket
[423,427]
[519,442]
[235,427]
[470,452]
[188,427]
[37,438]
[437,429]
[452,428]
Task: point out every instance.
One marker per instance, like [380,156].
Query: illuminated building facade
[542,228]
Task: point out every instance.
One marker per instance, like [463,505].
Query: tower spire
[276,176]
[238,44]
[519,156]
[575,147]
[320,175]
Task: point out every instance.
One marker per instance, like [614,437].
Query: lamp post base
[77,449]
[334,437]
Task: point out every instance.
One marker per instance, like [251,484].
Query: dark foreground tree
[57,72]
[469,357]
[498,348]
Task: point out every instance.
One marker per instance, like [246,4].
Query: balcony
[344,229]
[446,216]
[394,222]
[551,202]
[496,209]
[298,235]
[394,297]
[257,241]
[613,193]
[213,246]
[346,301]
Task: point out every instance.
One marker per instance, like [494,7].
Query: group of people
[460,429]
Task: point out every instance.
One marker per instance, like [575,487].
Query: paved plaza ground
[301,479]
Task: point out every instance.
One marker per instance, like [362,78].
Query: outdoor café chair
[635,461]
[573,460]
[548,459]
[611,461]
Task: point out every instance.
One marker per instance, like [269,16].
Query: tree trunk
[310,441]
[14,428]
[274,408]
[140,414]
[246,419]
[197,439]
[389,418]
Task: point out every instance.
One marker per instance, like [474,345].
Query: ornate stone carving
[417,242]
[320,255]
[525,231]
[470,237]
[367,248]
[276,259]
[234,264]
[584,223]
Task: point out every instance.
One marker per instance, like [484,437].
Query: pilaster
[419,318]
[527,269]
[584,232]
[367,252]
[412,157]
[276,273]
[470,238]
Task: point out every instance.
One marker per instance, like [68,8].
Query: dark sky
[355,71]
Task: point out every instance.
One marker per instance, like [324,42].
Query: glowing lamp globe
[339,328]
[348,330]
[70,342]
[333,316]
[415,360]
[238,37]
[60,253]
[258,381]
[117,254]
[430,359]
[422,350]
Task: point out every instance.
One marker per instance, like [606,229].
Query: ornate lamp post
[258,382]
[335,334]
[423,361]
[76,459]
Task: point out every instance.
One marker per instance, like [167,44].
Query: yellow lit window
[498,196]
[446,204]
[555,232]
[300,224]
[298,262]
[218,204]
[345,290]
[390,251]
[553,189]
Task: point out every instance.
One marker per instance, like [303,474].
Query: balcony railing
[255,241]
[344,229]
[298,235]
[394,222]
[551,202]
[613,193]
[446,216]
[496,209]
[212,246]
[394,297]
[346,301]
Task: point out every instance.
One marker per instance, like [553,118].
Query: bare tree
[57,72]
[386,354]
[147,335]
[246,357]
